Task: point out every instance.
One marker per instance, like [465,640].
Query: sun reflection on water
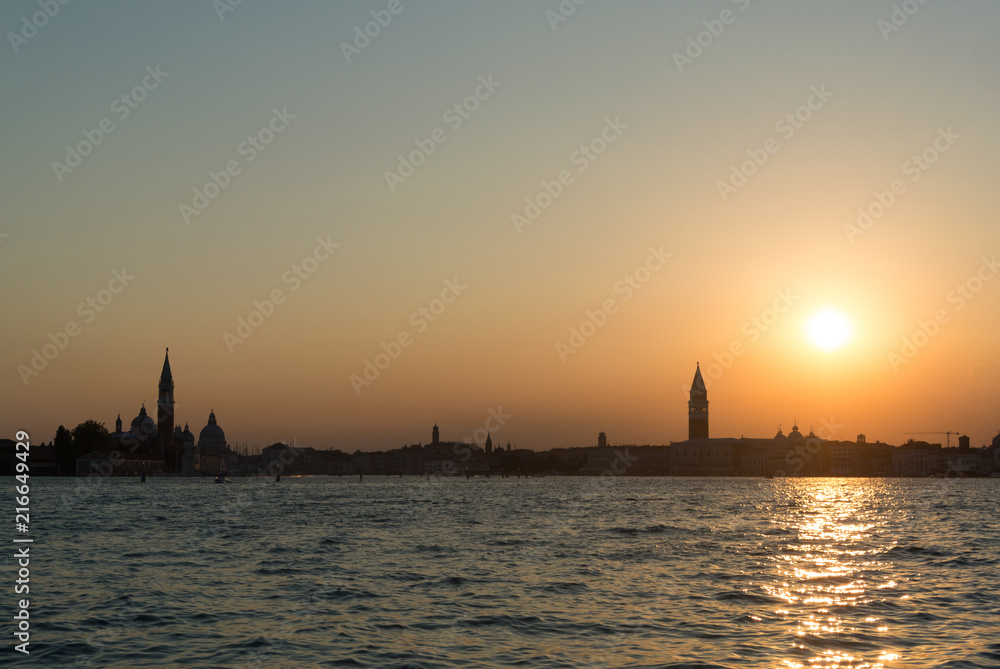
[830,571]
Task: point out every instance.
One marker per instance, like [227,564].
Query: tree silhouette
[89,436]
[62,448]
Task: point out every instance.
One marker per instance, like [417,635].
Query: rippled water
[548,572]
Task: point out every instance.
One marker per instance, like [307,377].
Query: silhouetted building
[859,458]
[698,408]
[212,447]
[117,464]
[435,435]
[966,461]
[165,417]
[627,461]
[139,439]
[916,458]
[190,460]
[44,461]
[141,436]
[702,457]
[162,443]
[115,437]
[793,454]
[602,440]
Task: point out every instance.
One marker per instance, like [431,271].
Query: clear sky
[693,164]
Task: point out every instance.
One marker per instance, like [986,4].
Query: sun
[828,330]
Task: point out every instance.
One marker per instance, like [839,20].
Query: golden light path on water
[832,569]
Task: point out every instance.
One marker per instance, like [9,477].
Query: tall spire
[698,383]
[165,375]
[165,417]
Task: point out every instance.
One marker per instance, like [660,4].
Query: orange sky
[676,202]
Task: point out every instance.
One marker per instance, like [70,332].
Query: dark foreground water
[550,572]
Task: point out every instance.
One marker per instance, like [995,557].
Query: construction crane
[947,433]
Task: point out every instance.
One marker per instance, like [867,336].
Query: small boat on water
[222,478]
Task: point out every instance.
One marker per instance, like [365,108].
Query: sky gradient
[633,137]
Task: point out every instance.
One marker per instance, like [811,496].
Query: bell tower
[698,408]
[165,416]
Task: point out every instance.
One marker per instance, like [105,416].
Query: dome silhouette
[143,424]
[212,434]
[795,435]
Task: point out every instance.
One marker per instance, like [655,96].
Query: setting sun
[828,330]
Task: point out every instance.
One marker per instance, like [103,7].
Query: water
[550,572]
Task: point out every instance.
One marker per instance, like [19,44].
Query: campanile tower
[165,415]
[698,408]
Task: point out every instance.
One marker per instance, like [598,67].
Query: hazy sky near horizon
[745,158]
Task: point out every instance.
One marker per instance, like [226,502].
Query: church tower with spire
[698,408]
[165,416]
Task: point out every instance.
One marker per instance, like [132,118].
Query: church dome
[143,424]
[212,433]
[795,435]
